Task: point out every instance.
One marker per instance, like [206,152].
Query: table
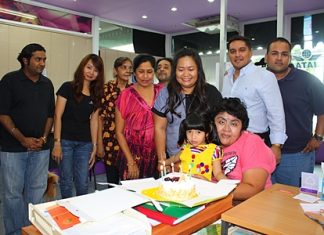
[273,211]
[210,214]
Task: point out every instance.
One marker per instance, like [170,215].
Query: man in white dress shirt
[259,90]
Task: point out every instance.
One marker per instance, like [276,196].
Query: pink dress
[139,132]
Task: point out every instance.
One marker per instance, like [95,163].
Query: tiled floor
[102,178]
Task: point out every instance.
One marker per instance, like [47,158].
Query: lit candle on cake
[164,168]
[172,167]
[161,170]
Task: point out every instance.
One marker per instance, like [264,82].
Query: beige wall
[109,56]
[64,52]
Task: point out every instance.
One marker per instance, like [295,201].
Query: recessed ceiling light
[259,48]
[211,0]
[252,39]
[74,0]
[144,16]
[100,28]
[317,31]
[174,9]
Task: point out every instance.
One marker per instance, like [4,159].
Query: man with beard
[163,70]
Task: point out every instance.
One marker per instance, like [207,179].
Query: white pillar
[95,35]
[222,42]
[168,44]
[280,17]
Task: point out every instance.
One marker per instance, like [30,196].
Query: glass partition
[307,37]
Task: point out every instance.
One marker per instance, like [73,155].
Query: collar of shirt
[24,77]
[243,70]
[290,75]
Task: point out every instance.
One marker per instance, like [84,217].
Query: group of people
[258,129]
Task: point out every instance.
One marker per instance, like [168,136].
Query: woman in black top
[76,125]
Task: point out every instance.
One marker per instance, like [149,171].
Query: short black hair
[239,38]
[28,51]
[142,58]
[202,122]
[161,59]
[278,39]
[234,107]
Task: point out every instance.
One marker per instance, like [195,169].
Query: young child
[200,146]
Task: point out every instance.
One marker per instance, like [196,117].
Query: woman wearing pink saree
[134,123]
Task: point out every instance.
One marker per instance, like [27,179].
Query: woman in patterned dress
[134,122]
[107,142]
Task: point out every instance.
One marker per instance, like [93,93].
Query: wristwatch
[318,137]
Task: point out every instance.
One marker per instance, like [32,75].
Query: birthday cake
[177,188]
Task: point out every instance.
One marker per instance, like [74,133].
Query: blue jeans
[74,167]
[291,166]
[24,176]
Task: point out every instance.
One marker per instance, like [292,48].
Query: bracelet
[57,140]
[94,145]
[13,130]
[44,138]
[131,164]
[218,158]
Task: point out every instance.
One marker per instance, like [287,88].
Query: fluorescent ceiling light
[17,13]
[127,48]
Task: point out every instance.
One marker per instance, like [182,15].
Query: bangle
[218,158]
[44,138]
[95,145]
[131,164]
[57,140]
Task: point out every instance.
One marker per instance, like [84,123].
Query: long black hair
[202,122]
[174,88]
[96,86]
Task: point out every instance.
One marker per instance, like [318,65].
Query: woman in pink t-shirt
[246,156]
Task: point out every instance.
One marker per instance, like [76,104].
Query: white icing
[181,190]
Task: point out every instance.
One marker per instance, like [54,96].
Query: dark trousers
[112,174]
